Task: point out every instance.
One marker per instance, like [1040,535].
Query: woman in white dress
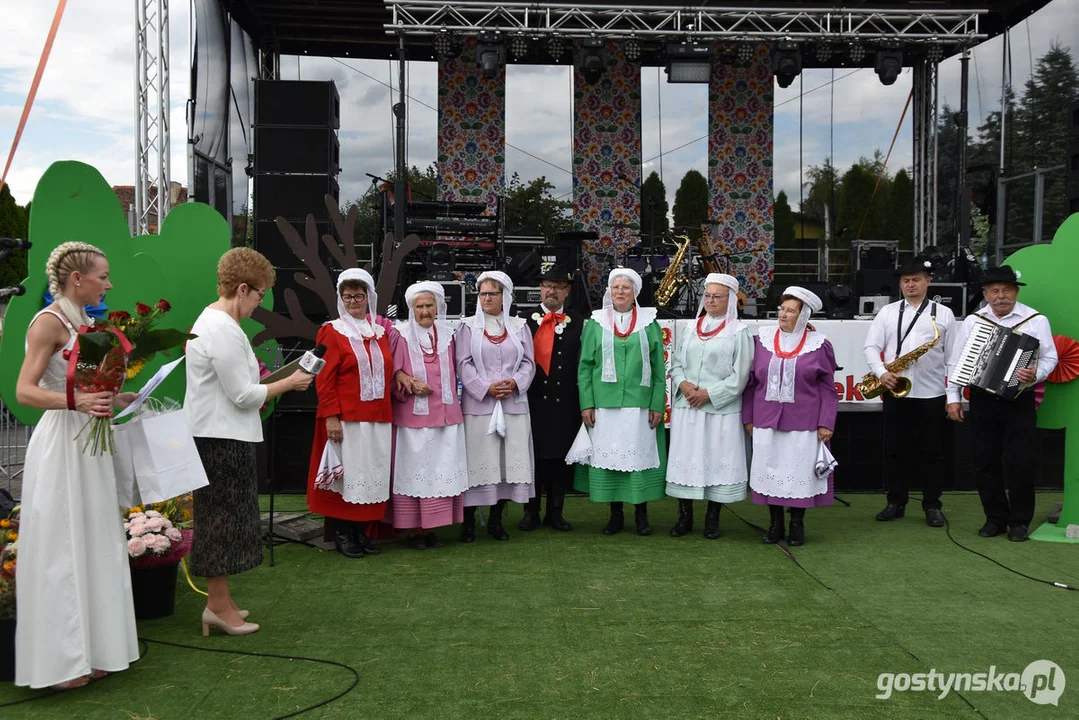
[76,619]
[709,371]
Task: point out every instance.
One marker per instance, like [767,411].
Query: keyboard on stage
[990,357]
[450,226]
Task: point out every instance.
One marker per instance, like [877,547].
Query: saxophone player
[914,421]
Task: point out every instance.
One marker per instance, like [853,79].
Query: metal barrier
[14,437]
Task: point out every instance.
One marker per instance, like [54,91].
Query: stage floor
[577,625]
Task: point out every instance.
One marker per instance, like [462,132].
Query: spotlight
[935,53]
[632,49]
[592,61]
[746,51]
[440,262]
[519,46]
[556,47]
[856,53]
[786,62]
[824,52]
[888,65]
[490,53]
[689,63]
[442,44]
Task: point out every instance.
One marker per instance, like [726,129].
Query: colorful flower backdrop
[740,129]
[607,163]
[471,130]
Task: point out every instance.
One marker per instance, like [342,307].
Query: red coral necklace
[711,333]
[632,324]
[787,355]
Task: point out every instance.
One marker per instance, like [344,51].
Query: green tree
[691,204]
[899,212]
[654,208]
[860,210]
[530,208]
[14,223]
[822,193]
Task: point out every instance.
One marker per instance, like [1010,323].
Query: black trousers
[554,477]
[1004,441]
[914,434]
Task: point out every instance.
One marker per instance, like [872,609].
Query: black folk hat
[915,265]
[557,273]
[1002,274]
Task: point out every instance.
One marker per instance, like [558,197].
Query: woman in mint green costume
[622,382]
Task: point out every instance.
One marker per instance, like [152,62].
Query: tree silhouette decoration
[320,280]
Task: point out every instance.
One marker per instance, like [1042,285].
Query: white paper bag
[123,463]
[165,459]
[581,450]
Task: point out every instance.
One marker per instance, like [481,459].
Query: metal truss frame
[926,78]
[428,17]
[152,124]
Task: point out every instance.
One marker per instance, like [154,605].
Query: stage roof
[355,28]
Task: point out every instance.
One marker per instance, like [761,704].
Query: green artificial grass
[576,625]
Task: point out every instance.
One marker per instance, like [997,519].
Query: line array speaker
[297,103]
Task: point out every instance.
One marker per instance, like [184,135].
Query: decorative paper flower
[927,265]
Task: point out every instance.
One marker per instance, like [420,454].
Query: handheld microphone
[12,291]
[14,244]
[312,362]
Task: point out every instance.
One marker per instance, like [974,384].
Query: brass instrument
[674,278]
[871,386]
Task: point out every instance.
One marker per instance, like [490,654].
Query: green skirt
[635,486]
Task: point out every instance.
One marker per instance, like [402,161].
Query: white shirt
[1038,328]
[223,392]
[929,373]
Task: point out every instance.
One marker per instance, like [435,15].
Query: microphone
[14,244]
[12,291]
[312,362]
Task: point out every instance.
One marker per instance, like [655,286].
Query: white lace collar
[645,317]
[767,335]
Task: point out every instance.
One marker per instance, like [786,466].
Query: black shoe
[554,519]
[345,545]
[990,529]
[530,521]
[891,512]
[796,536]
[494,523]
[433,541]
[775,526]
[418,542]
[1017,533]
[711,520]
[468,527]
[640,515]
[369,548]
[685,519]
[934,517]
[617,520]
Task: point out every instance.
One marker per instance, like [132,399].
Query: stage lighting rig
[746,51]
[556,47]
[592,61]
[888,64]
[632,49]
[856,53]
[490,53]
[786,62]
[689,62]
[935,53]
[824,51]
[519,46]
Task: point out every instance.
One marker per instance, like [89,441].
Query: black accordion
[991,356]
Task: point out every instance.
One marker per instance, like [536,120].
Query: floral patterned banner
[740,130]
[607,163]
[471,130]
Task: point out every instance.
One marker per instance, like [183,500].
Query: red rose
[119,316]
[142,309]
[163,305]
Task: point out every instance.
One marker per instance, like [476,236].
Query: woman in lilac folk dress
[789,408]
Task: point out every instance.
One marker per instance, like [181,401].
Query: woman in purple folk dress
[496,364]
[789,408]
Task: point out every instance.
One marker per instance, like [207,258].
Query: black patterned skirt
[227,534]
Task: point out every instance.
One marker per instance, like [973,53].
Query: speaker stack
[1072,158]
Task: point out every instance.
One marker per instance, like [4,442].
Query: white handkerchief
[330,470]
[498,420]
[581,450]
[825,462]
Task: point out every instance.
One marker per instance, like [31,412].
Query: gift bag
[165,459]
[123,464]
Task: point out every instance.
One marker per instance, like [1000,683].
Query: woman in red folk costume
[354,417]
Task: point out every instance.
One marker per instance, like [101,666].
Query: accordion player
[991,356]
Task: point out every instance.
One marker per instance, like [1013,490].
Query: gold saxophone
[674,278]
[871,386]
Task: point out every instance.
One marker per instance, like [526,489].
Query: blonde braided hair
[67,258]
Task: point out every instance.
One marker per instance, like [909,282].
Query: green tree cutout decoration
[1049,274]
[73,202]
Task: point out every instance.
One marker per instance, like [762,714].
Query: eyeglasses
[710,296]
[353,298]
[489,295]
[554,286]
[262,293]
[787,311]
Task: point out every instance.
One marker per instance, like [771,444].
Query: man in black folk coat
[552,398]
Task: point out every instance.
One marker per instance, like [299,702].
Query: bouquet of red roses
[110,352]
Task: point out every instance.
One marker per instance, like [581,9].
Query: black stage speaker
[311,304]
[287,451]
[876,258]
[1071,159]
[293,197]
[270,242]
[297,150]
[876,282]
[297,103]
[952,295]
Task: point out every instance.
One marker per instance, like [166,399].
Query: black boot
[361,539]
[556,498]
[685,519]
[344,541]
[617,521]
[531,519]
[775,527]
[711,520]
[494,523]
[797,535]
[640,514]
[468,527]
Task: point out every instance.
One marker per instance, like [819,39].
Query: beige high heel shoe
[210,620]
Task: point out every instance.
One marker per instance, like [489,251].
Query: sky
[85,105]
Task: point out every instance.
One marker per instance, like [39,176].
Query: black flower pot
[154,591]
[7,649]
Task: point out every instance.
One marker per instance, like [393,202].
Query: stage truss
[152,136]
[926,78]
